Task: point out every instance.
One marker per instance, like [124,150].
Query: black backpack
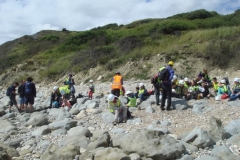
[154,79]
[163,74]
[8,93]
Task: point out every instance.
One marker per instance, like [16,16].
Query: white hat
[181,82]
[186,79]
[236,80]
[91,81]
[223,81]
[141,84]
[128,92]
[55,88]
[173,91]
[174,77]
[111,97]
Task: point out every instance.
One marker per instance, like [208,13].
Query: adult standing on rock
[30,94]
[12,96]
[167,87]
[21,95]
[117,82]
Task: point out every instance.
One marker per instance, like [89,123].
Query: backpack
[227,81]
[28,88]
[163,74]
[8,93]
[154,79]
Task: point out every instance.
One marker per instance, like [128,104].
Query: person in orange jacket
[117,82]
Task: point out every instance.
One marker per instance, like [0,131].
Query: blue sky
[26,17]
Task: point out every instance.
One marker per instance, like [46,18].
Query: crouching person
[132,100]
[55,98]
[115,106]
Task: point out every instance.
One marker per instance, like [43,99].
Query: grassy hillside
[208,35]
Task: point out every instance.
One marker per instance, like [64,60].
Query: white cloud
[21,17]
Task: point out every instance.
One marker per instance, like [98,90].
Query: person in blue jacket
[167,88]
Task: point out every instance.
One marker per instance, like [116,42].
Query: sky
[27,17]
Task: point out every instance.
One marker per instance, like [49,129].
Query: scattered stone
[233,127]
[37,119]
[217,131]
[149,109]
[199,138]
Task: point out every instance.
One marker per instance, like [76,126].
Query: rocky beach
[198,129]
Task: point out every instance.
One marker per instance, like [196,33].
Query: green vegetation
[200,33]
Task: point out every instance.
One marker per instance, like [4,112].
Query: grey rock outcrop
[6,126]
[37,119]
[223,152]
[199,138]
[233,127]
[217,131]
[148,143]
[60,153]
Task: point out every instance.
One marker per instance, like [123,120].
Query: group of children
[65,95]
[200,88]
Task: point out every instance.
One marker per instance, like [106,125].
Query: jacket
[171,74]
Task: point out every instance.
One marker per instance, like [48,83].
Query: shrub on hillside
[169,26]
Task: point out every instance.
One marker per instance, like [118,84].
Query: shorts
[21,100]
[29,100]
[13,101]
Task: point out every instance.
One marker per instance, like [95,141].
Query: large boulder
[108,118]
[199,138]
[149,109]
[223,152]
[233,127]
[6,126]
[111,154]
[79,131]
[235,139]
[99,139]
[145,104]
[67,152]
[81,100]
[65,124]
[179,104]
[59,113]
[78,141]
[92,104]
[151,99]
[102,153]
[148,143]
[43,130]
[37,119]
[74,111]
[217,131]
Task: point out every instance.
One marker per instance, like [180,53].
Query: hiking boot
[169,109]
[115,123]
[162,108]
[124,120]
[158,104]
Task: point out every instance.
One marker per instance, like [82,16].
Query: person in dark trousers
[21,95]
[71,83]
[12,96]
[30,94]
[117,82]
[167,88]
